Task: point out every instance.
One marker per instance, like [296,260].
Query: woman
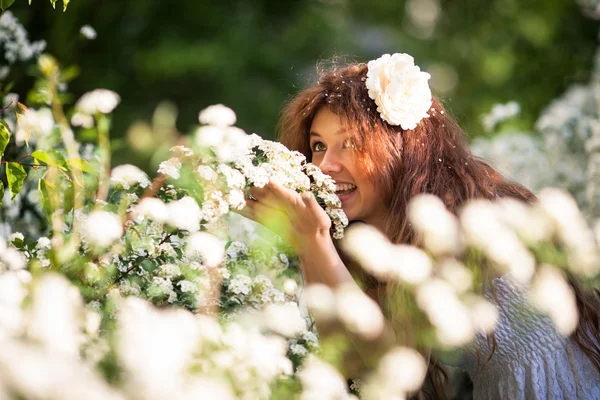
[378,132]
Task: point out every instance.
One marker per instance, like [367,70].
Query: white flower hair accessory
[400,90]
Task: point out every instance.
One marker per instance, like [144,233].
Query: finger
[259,193]
[314,210]
[290,199]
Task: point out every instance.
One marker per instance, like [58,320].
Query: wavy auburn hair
[432,158]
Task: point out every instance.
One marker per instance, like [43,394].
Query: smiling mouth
[344,189]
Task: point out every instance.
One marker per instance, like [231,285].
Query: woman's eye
[318,146]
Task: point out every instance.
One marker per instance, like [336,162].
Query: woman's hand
[301,221]
[298,219]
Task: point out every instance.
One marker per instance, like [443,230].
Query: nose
[330,163]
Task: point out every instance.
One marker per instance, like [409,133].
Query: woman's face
[332,151]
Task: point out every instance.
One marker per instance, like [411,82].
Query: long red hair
[432,158]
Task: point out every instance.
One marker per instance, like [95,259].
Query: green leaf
[43,187]
[4,4]
[51,157]
[15,174]
[4,136]
[65,4]
[53,2]
[1,192]
[80,164]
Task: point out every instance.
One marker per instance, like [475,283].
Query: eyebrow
[339,132]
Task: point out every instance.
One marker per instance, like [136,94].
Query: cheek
[316,159]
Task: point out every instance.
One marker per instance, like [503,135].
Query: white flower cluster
[228,161]
[14,38]
[128,175]
[500,113]
[400,90]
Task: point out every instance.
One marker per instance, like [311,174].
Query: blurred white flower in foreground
[184,214]
[359,313]
[101,101]
[217,115]
[102,228]
[285,319]
[374,252]
[572,230]
[438,226]
[400,371]
[206,246]
[484,314]
[34,123]
[152,208]
[171,335]
[320,300]
[551,294]
[57,314]
[446,312]
[321,381]
[484,229]
[88,32]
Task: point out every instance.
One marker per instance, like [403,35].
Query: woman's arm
[321,263]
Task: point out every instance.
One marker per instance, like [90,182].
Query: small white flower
[217,115]
[298,350]
[400,90]
[187,286]
[43,243]
[102,228]
[88,32]
[170,168]
[127,175]
[207,173]
[101,101]
[15,236]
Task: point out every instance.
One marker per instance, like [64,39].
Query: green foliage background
[254,54]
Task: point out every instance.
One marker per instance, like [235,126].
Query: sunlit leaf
[51,157]
[15,174]
[4,137]
[1,192]
[80,164]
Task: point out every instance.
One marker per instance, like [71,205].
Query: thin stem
[104,145]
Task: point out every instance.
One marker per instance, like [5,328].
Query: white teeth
[344,187]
